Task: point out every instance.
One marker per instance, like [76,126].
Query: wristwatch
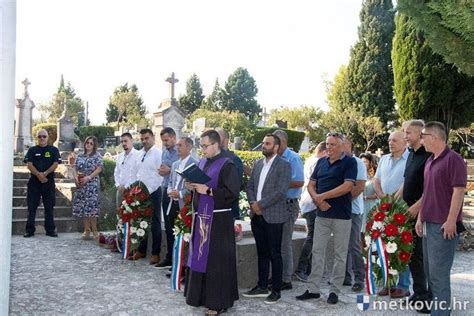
[208,191]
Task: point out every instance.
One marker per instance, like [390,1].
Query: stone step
[60,201]
[63,225]
[21,212]
[24,182]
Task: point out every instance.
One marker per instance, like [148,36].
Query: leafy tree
[75,106]
[240,93]
[237,124]
[369,73]
[336,96]
[193,98]
[426,87]
[305,117]
[126,107]
[447,27]
[215,100]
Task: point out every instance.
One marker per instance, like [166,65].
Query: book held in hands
[193,174]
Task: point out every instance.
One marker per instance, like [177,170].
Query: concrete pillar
[7,107]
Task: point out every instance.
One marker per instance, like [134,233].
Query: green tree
[335,90]
[236,123]
[447,27]
[215,100]
[75,106]
[193,98]
[426,87]
[240,93]
[126,107]
[305,117]
[369,73]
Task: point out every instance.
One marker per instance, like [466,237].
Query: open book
[193,174]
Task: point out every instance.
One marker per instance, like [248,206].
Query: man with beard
[212,274]
[266,191]
[125,172]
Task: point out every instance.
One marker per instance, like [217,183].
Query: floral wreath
[183,222]
[134,217]
[388,242]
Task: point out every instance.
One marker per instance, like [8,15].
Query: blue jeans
[438,256]
[404,279]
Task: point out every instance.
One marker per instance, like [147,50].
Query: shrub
[98,131]
[52,131]
[295,138]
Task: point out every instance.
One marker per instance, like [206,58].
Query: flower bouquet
[182,233]
[388,243]
[134,217]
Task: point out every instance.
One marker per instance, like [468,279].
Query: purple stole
[202,223]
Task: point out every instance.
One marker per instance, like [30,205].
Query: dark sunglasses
[338,135]
[42,136]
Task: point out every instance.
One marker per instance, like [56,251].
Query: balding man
[41,160]
[388,180]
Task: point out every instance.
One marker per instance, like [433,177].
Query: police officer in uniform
[41,160]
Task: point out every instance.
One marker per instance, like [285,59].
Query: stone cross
[26,83]
[172,80]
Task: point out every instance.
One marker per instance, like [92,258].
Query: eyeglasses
[42,136]
[204,146]
[335,134]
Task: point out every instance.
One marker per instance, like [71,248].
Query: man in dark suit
[266,192]
[176,191]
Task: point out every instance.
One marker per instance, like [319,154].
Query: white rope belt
[222,210]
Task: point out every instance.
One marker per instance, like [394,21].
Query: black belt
[290,201]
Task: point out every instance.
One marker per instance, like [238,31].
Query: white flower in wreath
[365,260]
[368,240]
[127,209]
[176,231]
[133,204]
[124,203]
[137,203]
[392,271]
[391,247]
[140,232]
[377,225]
[143,224]
[134,241]
[186,237]
[133,230]
[374,259]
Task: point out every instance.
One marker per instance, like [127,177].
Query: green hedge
[52,132]
[98,131]
[295,138]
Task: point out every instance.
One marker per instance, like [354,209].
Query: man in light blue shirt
[388,180]
[355,263]
[292,196]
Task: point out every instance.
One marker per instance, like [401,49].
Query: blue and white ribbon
[126,240]
[178,259]
[383,262]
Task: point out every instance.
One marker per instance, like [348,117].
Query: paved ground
[70,276]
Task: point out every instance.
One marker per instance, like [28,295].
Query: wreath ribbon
[126,240]
[383,262]
[178,259]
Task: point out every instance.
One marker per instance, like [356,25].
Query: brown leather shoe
[399,293]
[137,255]
[383,292]
[155,259]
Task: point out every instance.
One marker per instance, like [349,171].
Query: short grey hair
[281,134]
[415,123]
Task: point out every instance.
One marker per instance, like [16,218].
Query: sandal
[216,312]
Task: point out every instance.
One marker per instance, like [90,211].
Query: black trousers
[46,192]
[169,223]
[155,226]
[268,240]
[420,283]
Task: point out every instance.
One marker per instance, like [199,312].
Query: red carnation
[141,196]
[148,212]
[129,199]
[136,190]
[375,234]
[368,226]
[379,217]
[391,230]
[184,212]
[135,214]
[385,206]
[188,199]
[125,217]
[188,221]
[399,218]
[404,256]
[406,237]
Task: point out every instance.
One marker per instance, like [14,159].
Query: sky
[98,45]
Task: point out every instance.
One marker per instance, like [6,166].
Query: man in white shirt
[308,210]
[125,172]
[148,164]
[176,192]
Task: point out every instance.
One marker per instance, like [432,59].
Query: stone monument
[24,121]
[169,114]
[65,141]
